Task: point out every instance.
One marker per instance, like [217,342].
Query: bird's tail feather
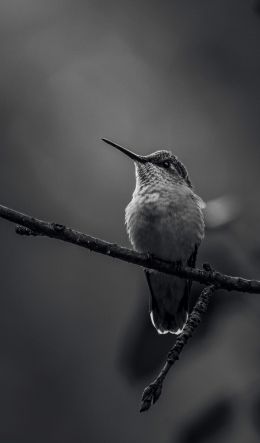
[168,302]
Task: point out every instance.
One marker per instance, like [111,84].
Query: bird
[164,219]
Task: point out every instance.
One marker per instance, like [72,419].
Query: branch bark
[36,227]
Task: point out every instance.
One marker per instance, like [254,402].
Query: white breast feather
[167,228]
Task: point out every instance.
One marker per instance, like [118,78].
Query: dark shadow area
[215,420]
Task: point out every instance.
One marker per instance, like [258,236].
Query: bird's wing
[169,299]
[148,278]
[191,263]
[192,260]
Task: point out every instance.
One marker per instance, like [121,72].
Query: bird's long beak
[132,155]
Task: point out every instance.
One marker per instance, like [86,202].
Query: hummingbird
[164,219]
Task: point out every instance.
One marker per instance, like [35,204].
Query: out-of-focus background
[76,344]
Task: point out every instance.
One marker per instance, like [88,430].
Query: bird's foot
[207,267]
[151,256]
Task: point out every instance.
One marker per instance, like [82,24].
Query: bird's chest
[167,227]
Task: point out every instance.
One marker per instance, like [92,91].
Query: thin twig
[154,390]
[55,230]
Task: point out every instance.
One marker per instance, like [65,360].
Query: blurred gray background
[76,345]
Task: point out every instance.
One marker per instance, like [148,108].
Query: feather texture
[165,218]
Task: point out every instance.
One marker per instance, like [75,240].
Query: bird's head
[160,165]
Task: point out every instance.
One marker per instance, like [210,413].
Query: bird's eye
[166,164]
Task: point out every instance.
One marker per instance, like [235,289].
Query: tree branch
[28,225]
[60,232]
[154,390]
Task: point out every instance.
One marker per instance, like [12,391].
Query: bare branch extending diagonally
[28,225]
[55,230]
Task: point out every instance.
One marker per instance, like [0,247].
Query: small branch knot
[151,394]
[58,227]
[21,230]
